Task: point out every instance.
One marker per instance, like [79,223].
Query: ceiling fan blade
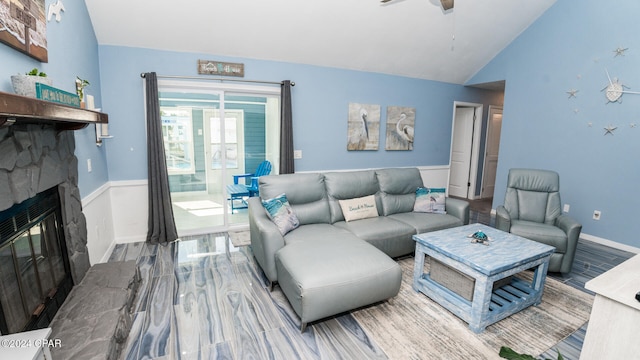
[384,1]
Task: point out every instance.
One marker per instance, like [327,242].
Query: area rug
[240,238]
[415,327]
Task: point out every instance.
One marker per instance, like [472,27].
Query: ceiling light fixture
[447,4]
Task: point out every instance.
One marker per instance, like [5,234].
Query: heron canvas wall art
[363,129]
[400,123]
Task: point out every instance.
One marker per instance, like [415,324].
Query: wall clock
[613,92]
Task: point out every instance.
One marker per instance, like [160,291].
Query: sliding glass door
[210,134]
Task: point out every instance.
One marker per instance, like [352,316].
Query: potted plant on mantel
[25,85]
[80,85]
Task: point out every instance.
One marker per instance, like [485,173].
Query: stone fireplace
[39,159]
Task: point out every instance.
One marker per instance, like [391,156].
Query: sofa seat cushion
[391,236]
[542,233]
[318,232]
[426,222]
[325,278]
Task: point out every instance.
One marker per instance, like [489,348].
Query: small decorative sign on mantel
[211,67]
[49,93]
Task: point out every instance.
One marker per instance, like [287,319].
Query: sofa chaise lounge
[328,265]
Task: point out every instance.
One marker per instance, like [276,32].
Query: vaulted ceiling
[413,38]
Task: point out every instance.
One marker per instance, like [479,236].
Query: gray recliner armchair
[532,209]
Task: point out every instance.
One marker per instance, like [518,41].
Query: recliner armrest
[266,239]
[570,226]
[458,208]
[503,219]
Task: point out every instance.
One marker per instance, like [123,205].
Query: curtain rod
[142,75]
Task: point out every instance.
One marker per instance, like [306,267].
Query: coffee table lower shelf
[505,300]
[502,298]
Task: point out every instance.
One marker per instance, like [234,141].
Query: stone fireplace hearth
[37,157]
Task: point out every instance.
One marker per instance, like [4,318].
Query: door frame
[493,109]
[212,86]
[475,147]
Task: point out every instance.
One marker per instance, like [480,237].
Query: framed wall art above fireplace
[23,26]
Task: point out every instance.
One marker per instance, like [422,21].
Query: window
[178,140]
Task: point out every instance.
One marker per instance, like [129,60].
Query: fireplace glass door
[34,279]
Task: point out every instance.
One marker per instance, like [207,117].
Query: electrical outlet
[297,154]
[566,208]
[596,214]
[89,167]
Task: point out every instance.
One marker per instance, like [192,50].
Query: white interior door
[227,135]
[494,126]
[461,145]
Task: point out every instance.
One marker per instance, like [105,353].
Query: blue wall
[73,51]
[569,47]
[320,104]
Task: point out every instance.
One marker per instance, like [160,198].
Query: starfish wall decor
[609,129]
[619,51]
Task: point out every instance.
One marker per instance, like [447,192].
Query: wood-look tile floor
[203,298]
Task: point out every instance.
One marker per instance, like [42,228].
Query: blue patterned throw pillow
[280,212]
[430,200]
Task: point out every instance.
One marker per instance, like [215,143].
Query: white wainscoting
[432,176]
[130,202]
[98,213]
[116,213]
[435,176]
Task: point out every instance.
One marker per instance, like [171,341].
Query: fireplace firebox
[35,276]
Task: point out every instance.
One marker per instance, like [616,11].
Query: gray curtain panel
[162,226]
[286,130]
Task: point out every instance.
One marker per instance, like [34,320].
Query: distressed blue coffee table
[506,255]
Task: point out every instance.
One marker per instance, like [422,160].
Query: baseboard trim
[610,243]
[107,254]
[130,239]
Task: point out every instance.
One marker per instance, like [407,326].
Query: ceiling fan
[446,4]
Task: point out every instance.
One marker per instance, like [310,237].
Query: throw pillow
[280,212]
[359,208]
[430,200]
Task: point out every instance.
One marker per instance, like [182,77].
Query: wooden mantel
[16,109]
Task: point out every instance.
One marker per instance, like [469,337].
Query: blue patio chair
[238,191]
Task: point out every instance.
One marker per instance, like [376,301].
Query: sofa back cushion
[398,189]
[305,192]
[349,185]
